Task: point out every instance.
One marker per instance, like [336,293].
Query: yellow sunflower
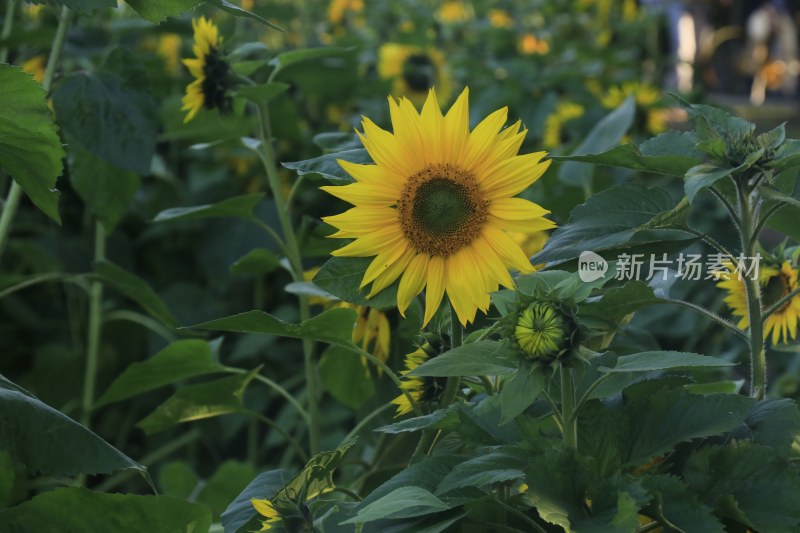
[647,98]
[421,389]
[437,207]
[209,70]
[266,509]
[454,11]
[413,71]
[35,66]
[338,8]
[775,284]
[554,124]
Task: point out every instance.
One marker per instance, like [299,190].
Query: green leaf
[257,262]
[713,122]
[337,141]
[607,133]
[316,477]
[227,482]
[180,360]
[786,156]
[81,6]
[328,167]
[670,153]
[30,148]
[776,195]
[196,402]
[292,57]
[79,509]
[555,487]
[177,479]
[341,276]
[241,511]
[50,443]
[106,190]
[747,481]
[678,508]
[497,466]
[703,176]
[664,360]
[136,289]
[404,502]
[237,11]
[616,218]
[157,11]
[484,358]
[774,423]
[262,93]
[519,392]
[617,302]
[109,113]
[426,474]
[714,147]
[334,326]
[346,377]
[235,207]
[440,419]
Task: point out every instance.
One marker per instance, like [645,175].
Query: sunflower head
[437,209]
[554,124]
[210,70]
[543,331]
[422,390]
[267,510]
[413,71]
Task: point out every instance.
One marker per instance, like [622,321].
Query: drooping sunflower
[776,282]
[210,70]
[554,124]
[266,509]
[413,70]
[649,115]
[437,207]
[421,389]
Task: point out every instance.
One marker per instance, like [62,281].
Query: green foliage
[237,207]
[136,289]
[30,149]
[346,377]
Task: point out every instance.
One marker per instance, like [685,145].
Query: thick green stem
[95,329]
[758,361]
[456,340]
[570,427]
[15,192]
[8,23]
[267,155]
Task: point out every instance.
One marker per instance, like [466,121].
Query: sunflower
[35,66]
[266,509]
[413,70]
[338,8]
[436,208]
[454,11]
[775,284]
[209,89]
[653,118]
[554,124]
[421,389]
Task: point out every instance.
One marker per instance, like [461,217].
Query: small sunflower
[338,8]
[775,284]
[437,207]
[421,389]
[209,89]
[413,71]
[554,124]
[529,44]
[454,11]
[266,509]
[499,18]
[542,331]
[35,66]
[651,117]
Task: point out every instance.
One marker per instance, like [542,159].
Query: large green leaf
[106,190]
[81,6]
[346,377]
[334,326]
[341,276]
[328,167]
[555,487]
[519,392]
[664,360]
[616,218]
[110,112]
[76,509]
[258,261]
[676,507]
[671,153]
[240,511]
[30,148]
[487,358]
[50,443]
[262,93]
[180,360]
[224,485]
[136,289]
[235,207]
[158,10]
[292,57]
[404,502]
[496,466]
[618,302]
[196,402]
[608,132]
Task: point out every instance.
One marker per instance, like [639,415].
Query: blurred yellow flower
[499,18]
[338,8]
[454,11]
[554,124]
[33,10]
[630,11]
[209,70]
[647,98]
[529,44]
[247,4]
[531,243]
[414,70]
[35,66]
[169,48]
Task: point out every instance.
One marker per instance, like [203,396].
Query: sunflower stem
[456,340]
[570,428]
[8,23]
[758,362]
[15,192]
[95,328]
[268,159]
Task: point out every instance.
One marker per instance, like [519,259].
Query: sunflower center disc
[419,73]
[441,210]
[777,287]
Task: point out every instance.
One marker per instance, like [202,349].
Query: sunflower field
[342,266]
